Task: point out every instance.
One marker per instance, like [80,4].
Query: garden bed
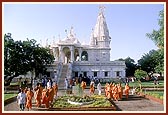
[86,109]
[151,97]
[85,103]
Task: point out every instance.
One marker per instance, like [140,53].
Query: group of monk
[46,95]
[83,85]
[92,88]
[115,91]
[41,95]
[112,91]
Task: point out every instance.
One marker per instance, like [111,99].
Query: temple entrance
[66,55]
[76,55]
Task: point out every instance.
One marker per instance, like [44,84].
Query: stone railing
[60,65]
[115,63]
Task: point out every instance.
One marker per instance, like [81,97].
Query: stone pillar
[80,52]
[60,54]
[113,74]
[72,54]
[100,73]
[56,54]
[123,73]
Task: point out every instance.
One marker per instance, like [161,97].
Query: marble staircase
[62,76]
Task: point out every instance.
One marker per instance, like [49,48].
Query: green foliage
[157,36]
[8,96]
[159,56]
[140,74]
[130,66]
[152,62]
[22,57]
[157,94]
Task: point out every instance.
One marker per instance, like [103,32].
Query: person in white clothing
[21,100]
[99,88]
[49,84]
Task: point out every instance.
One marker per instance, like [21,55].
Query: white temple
[74,59]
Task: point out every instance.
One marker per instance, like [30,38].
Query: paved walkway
[137,103]
[134,103]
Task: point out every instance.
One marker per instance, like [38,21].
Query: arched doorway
[66,55]
[76,55]
[84,56]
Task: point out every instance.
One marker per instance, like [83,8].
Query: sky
[127,24]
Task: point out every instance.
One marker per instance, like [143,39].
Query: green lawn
[14,84]
[149,84]
[145,84]
[7,96]
[157,94]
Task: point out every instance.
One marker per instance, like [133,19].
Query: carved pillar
[72,54]
[60,54]
[80,52]
[57,54]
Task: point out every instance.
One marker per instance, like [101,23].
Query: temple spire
[102,8]
[101,32]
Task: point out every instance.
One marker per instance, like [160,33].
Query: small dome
[76,41]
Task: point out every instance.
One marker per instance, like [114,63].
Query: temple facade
[87,60]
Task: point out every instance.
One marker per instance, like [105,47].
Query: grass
[14,84]
[157,94]
[145,84]
[8,96]
[149,84]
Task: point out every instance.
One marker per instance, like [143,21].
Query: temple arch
[66,55]
[84,56]
[76,55]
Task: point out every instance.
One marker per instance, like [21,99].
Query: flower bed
[86,103]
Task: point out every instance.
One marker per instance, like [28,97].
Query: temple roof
[101,28]
[71,38]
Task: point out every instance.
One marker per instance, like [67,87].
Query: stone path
[137,103]
[134,103]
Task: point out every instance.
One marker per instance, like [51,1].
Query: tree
[22,57]
[157,36]
[130,66]
[158,56]
[139,74]
[148,62]
[152,62]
